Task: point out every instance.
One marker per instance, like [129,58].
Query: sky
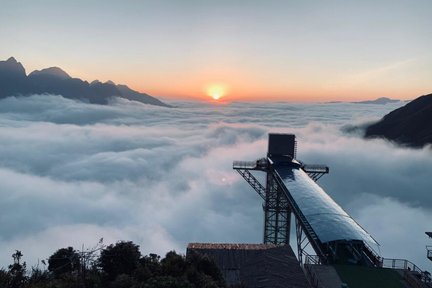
[272,50]
[72,173]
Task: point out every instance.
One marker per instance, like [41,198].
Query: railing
[311,259]
[404,264]
[260,164]
[244,164]
[374,256]
[315,168]
[312,276]
[310,233]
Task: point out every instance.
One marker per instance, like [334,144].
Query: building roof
[254,265]
[231,246]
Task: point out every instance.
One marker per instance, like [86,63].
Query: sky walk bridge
[291,189]
[333,250]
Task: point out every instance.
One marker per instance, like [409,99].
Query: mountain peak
[12,60]
[381,100]
[53,72]
[53,80]
[12,67]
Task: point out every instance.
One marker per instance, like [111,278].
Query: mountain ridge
[12,66]
[380,101]
[408,125]
[14,81]
[51,71]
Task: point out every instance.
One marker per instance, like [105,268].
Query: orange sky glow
[247,86]
[258,51]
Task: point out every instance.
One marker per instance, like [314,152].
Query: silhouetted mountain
[132,95]
[381,101]
[12,67]
[14,81]
[409,125]
[54,72]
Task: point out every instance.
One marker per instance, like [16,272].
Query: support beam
[256,185]
[302,243]
[315,171]
[277,214]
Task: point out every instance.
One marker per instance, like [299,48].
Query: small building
[255,265]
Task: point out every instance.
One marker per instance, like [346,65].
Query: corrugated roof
[254,265]
[231,246]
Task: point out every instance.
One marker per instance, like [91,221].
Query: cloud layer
[71,173]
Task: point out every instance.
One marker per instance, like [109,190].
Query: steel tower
[290,189]
[277,210]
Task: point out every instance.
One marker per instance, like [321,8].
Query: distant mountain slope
[409,125]
[381,101]
[53,80]
[54,72]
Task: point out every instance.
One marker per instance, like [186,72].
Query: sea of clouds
[72,173]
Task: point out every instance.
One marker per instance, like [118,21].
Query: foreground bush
[119,265]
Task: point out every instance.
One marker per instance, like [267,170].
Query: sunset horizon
[231,94]
[198,143]
[272,51]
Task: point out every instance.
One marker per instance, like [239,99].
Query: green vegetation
[361,277]
[119,265]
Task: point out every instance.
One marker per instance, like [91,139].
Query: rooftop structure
[255,265]
[229,246]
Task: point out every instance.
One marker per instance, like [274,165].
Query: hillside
[410,125]
[53,80]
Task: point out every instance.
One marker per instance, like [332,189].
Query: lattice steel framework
[302,243]
[277,211]
[277,207]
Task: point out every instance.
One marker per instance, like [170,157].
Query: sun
[216,96]
[216,91]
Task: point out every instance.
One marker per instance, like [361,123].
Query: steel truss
[302,243]
[256,185]
[315,171]
[277,209]
[277,214]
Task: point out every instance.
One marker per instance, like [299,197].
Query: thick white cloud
[71,173]
[401,226]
